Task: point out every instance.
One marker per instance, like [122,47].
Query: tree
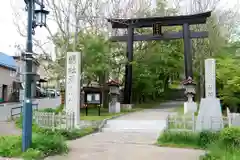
[228,76]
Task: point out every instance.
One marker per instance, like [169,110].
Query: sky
[10,36]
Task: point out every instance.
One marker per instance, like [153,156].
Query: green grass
[223,145]
[42,145]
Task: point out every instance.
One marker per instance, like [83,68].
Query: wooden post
[62,97]
[53,121]
[128,67]
[167,122]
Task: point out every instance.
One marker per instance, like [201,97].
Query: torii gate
[156,23]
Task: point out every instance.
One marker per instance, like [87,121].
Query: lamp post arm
[39,3]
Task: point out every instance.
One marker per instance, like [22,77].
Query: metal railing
[14,114]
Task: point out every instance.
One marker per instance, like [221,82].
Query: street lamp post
[35,18]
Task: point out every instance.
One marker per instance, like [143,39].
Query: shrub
[188,138]
[42,145]
[69,134]
[49,144]
[49,110]
[207,137]
[10,146]
[32,154]
[59,109]
[180,138]
[230,137]
[224,145]
[218,151]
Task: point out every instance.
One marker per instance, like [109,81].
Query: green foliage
[49,110]
[32,154]
[69,134]
[10,146]
[228,78]
[59,109]
[188,138]
[42,145]
[155,63]
[224,145]
[218,151]
[45,142]
[207,137]
[231,137]
[49,144]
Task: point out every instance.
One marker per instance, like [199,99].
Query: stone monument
[114,105]
[190,106]
[210,114]
[73,78]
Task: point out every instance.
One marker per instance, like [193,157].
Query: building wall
[7,78]
[21,68]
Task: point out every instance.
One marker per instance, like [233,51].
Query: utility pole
[35,18]
[27,108]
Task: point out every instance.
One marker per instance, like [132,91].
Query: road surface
[5,110]
[129,138]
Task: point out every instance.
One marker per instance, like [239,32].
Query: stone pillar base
[114,108]
[190,107]
[209,115]
[126,106]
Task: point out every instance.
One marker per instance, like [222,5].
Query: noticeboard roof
[165,21]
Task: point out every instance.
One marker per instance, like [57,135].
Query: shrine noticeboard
[73,83]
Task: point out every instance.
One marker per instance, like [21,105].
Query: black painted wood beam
[165,36]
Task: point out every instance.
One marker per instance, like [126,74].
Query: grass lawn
[93,112]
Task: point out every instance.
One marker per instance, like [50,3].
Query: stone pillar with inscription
[72,92]
[210,113]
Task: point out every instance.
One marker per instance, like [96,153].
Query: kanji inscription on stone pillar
[73,85]
[210,78]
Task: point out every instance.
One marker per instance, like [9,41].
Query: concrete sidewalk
[127,145]
[5,111]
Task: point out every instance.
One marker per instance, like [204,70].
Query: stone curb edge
[114,117]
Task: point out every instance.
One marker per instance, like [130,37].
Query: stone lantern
[190,91]
[114,105]
[190,105]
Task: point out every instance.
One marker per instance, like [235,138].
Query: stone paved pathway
[128,145]
[8,128]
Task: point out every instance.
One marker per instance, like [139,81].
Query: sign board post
[73,85]
[22,80]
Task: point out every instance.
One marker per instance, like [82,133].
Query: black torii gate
[156,23]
